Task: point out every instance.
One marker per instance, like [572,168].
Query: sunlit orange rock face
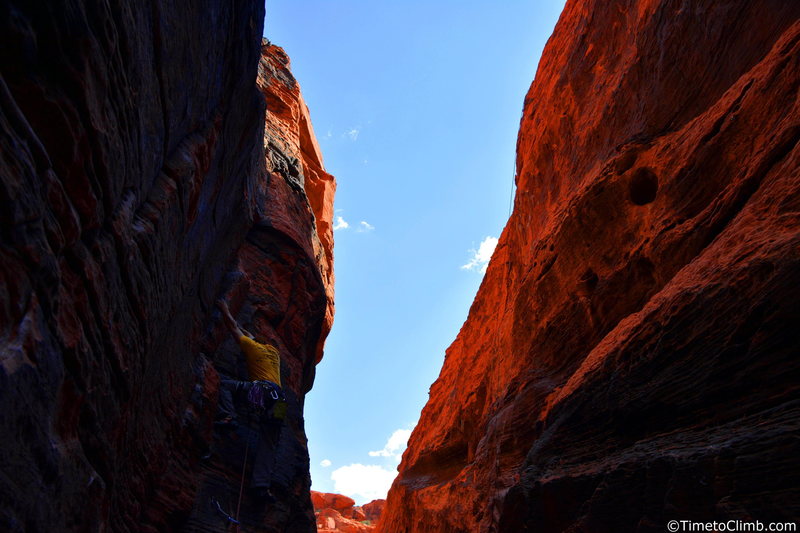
[294,154]
[631,356]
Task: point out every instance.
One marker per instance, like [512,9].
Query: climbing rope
[241,485]
[258,394]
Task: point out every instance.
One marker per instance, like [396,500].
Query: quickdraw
[227,516]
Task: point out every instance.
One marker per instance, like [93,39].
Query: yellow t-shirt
[263,360]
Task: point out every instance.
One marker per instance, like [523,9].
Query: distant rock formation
[374,509]
[139,184]
[338,513]
[338,502]
[631,356]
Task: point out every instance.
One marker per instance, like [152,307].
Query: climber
[264,396]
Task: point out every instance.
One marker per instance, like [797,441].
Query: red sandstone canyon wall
[631,355]
[138,185]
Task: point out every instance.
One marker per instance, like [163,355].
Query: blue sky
[416,106]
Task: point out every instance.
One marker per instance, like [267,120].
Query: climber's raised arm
[233,326]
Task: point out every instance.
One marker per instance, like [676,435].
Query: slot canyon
[631,355]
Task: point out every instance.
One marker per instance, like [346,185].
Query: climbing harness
[261,392]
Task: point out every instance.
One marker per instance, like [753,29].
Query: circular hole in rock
[643,186]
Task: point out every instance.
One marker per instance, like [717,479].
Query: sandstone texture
[632,354]
[138,185]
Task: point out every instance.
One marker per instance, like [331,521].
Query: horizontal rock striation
[138,185]
[631,356]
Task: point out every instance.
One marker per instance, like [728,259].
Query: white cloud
[325,463]
[480,257]
[353,133]
[340,224]
[363,482]
[395,446]
[364,226]
[368,482]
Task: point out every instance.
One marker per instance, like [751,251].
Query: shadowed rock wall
[136,190]
[631,356]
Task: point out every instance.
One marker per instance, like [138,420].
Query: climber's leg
[226,412]
[264,465]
